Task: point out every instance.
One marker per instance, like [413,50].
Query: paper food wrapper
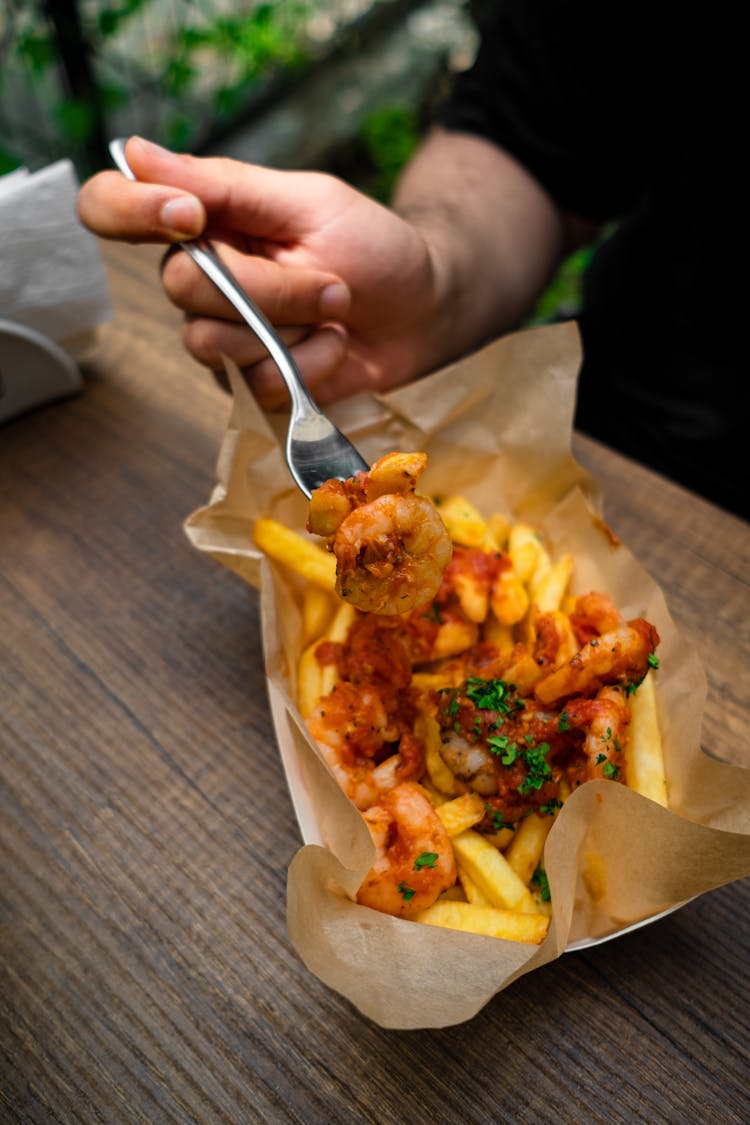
[497,428]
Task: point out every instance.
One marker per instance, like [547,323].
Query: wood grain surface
[145,825]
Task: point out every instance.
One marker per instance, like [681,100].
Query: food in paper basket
[459,726]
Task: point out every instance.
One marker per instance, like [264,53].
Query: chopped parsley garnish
[653,660]
[539,769]
[501,744]
[607,734]
[563,723]
[600,758]
[539,879]
[493,695]
[551,807]
[433,614]
[610,770]
[426,859]
[407,893]
[498,819]
[632,687]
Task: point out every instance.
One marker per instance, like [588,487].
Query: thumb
[256,201]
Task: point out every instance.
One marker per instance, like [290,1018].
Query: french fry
[498,634]
[487,920]
[309,681]
[453,638]
[525,849]
[508,597]
[317,610]
[525,549]
[466,526]
[471,891]
[295,552]
[547,587]
[338,631]
[540,569]
[461,813]
[474,599]
[492,873]
[499,526]
[644,757]
[427,729]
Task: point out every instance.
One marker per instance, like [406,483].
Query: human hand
[352,288]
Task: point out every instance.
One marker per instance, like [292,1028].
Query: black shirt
[638,114]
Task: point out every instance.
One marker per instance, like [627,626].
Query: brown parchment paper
[496,427]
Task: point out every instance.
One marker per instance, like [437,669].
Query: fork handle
[205,256]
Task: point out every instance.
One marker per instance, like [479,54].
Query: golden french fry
[525,849]
[508,597]
[487,920]
[317,609]
[461,813]
[453,638]
[436,681]
[498,634]
[295,552]
[473,598]
[525,549]
[309,681]
[644,756]
[466,526]
[472,892]
[338,632]
[453,894]
[547,587]
[523,672]
[499,526]
[492,873]
[427,729]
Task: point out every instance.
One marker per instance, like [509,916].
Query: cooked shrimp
[618,656]
[471,762]
[605,720]
[351,726]
[391,554]
[391,546]
[414,860]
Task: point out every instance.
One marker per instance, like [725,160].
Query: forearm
[494,235]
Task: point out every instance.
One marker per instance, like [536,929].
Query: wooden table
[145,970]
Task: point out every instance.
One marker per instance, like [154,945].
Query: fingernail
[182,215]
[149,146]
[334,300]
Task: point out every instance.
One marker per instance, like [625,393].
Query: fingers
[263,202]
[114,207]
[318,357]
[208,341]
[288,295]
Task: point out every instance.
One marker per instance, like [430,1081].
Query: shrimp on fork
[391,546]
[414,861]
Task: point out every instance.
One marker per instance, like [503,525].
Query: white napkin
[52,277]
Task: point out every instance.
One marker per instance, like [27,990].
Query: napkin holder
[34,370]
[53,288]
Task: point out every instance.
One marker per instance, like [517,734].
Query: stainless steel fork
[315,449]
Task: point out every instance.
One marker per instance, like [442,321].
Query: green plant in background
[390,135]
[562,298]
[198,59]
